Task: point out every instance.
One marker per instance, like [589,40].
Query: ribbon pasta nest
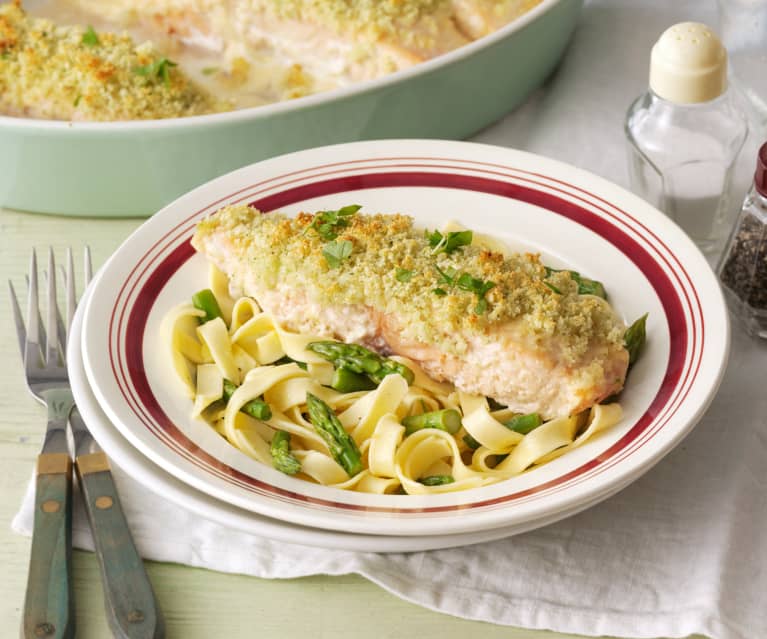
[343,416]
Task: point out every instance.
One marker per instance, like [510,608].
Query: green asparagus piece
[289,360]
[436,480]
[257,408]
[471,442]
[634,338]
[447,419]
[342,447]
[523,424]
[282,458]
[589,287]
[344,381]
[360,360]
[205,301]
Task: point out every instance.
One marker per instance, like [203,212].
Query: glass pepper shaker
[685,133]
[743,267]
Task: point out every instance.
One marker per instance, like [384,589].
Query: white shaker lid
[688,64]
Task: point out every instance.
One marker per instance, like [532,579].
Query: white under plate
[139,468]
[571,217]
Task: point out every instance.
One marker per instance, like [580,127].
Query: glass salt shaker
[685,133]
[743,267]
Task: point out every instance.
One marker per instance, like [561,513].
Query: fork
[131,607]
[48,604]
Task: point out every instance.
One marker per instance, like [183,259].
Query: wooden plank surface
[196,603]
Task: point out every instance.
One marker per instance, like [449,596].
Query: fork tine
[18,320]
[41,325]
[71,296]
[52,337]
[32,344]
[62,332]
[88,265]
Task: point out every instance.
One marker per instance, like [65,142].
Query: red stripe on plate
[139,311]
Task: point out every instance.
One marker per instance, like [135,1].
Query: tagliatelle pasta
[251,379]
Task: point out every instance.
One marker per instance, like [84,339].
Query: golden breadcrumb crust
[53,72]
[275,248]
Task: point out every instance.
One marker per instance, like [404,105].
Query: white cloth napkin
[680,551]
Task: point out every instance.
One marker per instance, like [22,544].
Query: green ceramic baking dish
[134,168]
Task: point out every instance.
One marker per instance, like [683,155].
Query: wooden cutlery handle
[48,604]
[131,607]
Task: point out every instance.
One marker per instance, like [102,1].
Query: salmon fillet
[478,18]
[66,73]
[529,341]
[349,40]
[354,40]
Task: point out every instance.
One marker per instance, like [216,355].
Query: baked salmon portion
[501,326]
[71,73]
[353,40]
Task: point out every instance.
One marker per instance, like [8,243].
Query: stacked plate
[123,381]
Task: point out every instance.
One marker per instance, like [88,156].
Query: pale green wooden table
[197,603]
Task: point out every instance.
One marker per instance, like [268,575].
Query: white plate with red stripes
[573,218]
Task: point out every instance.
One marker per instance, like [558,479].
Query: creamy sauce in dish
[253,78]
[240,53]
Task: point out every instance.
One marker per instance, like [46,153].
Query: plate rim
[118,449]
[469,148]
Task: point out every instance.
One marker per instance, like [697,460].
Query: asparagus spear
[523,424]
[471,442]
[344,381]
[342,447]
[634,338]
[282,458]
[288,360]
[447,419]
[257,408]
[360,360]
[205,301]
[436,480]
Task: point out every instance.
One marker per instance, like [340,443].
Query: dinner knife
[131,605]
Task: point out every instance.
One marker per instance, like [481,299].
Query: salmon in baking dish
[350,40]
[503,326]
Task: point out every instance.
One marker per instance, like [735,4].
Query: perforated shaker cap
[688,64]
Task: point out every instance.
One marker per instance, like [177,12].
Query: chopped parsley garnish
[446,277]
[477,286]
[90,37]
[335,252]
[449,242]
[158,69]
[5,54]
[465,282]
[403,275]
[474,284]
[329,224]
[79,97]
[210,70]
